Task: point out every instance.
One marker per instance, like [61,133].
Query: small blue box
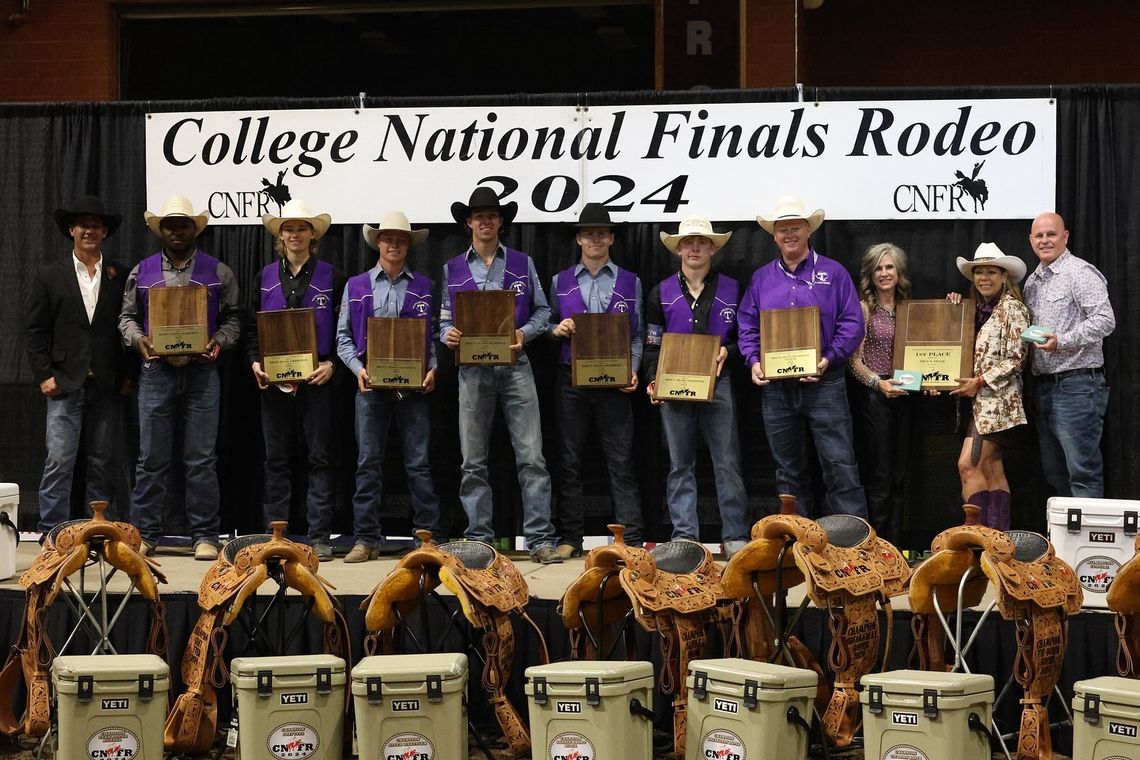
[911,381]
[1036,334]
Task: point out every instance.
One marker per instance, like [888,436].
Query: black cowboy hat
[594,215]
[484,197]
[85,205]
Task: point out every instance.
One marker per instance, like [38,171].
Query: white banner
[940,159]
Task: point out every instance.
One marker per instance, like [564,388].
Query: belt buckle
[177,361]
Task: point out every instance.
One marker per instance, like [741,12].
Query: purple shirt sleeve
[849,327]
[748,325]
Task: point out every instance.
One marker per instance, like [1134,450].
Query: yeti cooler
[411,703]
[111,706]
[582,710]
[740,708]
[1106,719]
[1096,537]
[289,708]
[920,715]
[9,535]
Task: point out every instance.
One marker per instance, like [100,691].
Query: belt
[1057,377]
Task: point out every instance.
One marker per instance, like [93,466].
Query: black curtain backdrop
[52,152]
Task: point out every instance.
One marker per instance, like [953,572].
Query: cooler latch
[264,683]
[1092,708]
[86,688]
[434,688]
[750,689]
[373,689]
[540,690]
[1073,523]
[146,686]
[875,699]
[930,703]
[593,693]
[324,680]
[700,684]
[1130,523]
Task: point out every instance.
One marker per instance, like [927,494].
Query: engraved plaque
[599,350]
[935,338]
[177,320]
[487,320]
[397,353]
[686,368]
[288,342]
[790,342]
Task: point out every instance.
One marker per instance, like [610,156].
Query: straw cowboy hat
[176,205]
[988,254]
[484,197]
[791,207]
[297,210]
[695,225]
[85,205]
[594,215]
[393,220]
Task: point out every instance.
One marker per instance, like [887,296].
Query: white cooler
[9,537]
[1096,537]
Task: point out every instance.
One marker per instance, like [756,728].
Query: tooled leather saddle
[1123,598]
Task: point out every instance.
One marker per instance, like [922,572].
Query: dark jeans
[886,446]
[1070,418]
[284,416]
[608,411]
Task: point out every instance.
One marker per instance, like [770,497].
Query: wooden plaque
[487,320]
[397,353]
[288,342]
[789,342]
[177,320]
[935,338]
[599,350]
[686,367]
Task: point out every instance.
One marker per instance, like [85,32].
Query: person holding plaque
[992,399]
[298,280]
[487,264]
[389,290]
[596,285]
[76,356]
[699,300]
[177,385]
[801,277]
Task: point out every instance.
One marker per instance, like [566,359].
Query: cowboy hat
[594,215]
[176,205]
[988,254]
[85,205]
[393,220]
[791,207]
[297,210]
[695,226]
[484,197]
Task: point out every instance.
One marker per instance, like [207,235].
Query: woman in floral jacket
[999,355]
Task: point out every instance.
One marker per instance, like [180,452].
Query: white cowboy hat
[176,205]
[791,207]
[297,210]
[695,225]
[988,254]
[393,220]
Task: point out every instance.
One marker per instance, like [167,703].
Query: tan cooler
[739,708]
[289,708]
[1106,719]
[111,706]
[411,703]
[919,715]
[581,710]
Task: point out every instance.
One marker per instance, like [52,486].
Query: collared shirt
[1070,298]
[597,292]
[387,300]
[491,278]
[293,288]
[655,319]
[88,284]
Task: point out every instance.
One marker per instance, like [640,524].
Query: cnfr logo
[949,197]
[936,376]
[244,204]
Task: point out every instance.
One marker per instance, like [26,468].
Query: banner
[943,159]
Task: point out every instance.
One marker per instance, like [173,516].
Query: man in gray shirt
[1069,298]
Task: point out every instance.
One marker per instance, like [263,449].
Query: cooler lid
[767,675]
[405,668]
[290,665]
[579,671]
[1058,507]
[1110,689]
[918,681]
[109,667]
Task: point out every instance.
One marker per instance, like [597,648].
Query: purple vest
[417,305]
[679,315]
[570,301]
[516,277]
[205,273]
[319,298]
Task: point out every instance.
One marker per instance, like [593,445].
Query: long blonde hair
[871,259]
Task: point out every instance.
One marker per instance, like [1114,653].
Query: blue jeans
[374,413]
[1070,417]
[282,416]
[480,389]
[95,416]
[790,408]
[165,394]
[716,423]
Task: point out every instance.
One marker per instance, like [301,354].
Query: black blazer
[61,342]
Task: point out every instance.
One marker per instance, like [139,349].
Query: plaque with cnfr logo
[397,353]
[686,367]
[288,342]
[486,319]
[789,342]
[599,350]
[935,339]
[177,320]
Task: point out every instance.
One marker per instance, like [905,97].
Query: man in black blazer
[76,354]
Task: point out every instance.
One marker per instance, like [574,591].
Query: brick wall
[63,50]
[770,43]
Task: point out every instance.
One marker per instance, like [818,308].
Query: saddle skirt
[602,566]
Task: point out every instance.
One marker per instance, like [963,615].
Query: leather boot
[981,500]
[1000,505]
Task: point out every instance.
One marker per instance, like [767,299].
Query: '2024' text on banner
[937,159]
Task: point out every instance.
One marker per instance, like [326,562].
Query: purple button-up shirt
[817,281]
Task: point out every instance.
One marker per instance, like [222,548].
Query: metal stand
[597,635]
